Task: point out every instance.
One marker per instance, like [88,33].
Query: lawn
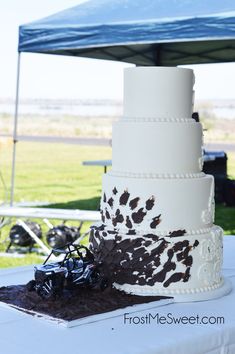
[54,173]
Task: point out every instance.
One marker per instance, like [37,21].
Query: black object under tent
[149,32]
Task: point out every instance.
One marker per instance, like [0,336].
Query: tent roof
[143,32]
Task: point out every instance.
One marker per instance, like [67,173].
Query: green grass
[54,172]
[225,217]
[231,165]
[7,262]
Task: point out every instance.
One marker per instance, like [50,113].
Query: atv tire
[47,290]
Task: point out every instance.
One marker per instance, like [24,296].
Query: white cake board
[225,289]
[92,318]
[24,274]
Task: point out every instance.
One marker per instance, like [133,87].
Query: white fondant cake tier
[157,204]
[157,265]
[157,147]
[162,92]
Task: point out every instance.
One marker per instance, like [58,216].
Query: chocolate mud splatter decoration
[138,216]
[145,260]
[110,202]
[156,221]
[107,215]
[128,222]
[134,203]
[118,218]
[177,233]
[124,198]
[115,190]
[102,216]
[134,212]
[150,203]
[131,232]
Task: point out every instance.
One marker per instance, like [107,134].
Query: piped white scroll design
[211,251]
[207,215]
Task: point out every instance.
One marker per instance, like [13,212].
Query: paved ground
[107,142]
[58,139]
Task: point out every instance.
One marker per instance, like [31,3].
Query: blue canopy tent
[149,32]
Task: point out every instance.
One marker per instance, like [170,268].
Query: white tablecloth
[20,334]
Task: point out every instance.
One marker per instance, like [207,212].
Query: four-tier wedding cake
[157,235]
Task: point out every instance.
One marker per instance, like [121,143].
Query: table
[9,212]
[20,334]
[50,213]
[104,163]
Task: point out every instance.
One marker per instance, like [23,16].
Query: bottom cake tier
[151,264]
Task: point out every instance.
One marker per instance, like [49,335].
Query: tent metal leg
[15,132]
[34,236]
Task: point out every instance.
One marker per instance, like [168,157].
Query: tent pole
[15,132]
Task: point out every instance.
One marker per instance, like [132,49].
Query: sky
[49,76]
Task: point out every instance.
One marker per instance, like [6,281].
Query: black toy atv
[77,268]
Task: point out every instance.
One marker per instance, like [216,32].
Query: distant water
[224,112]
[90,108]
[48,109]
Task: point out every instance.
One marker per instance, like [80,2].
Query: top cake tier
[158,92]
